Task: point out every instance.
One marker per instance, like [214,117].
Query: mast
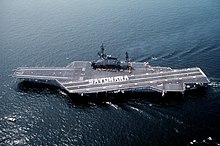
[101,53]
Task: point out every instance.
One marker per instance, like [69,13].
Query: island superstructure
[108,74]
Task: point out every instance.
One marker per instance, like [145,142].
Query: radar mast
[101,53]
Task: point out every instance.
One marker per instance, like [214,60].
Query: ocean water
[48,33]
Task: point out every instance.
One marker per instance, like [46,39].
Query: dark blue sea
[53,33]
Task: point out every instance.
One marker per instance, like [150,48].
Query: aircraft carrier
[110,75]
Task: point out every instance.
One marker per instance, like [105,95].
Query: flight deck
[80,77]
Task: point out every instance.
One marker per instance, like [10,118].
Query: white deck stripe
[131,76]
[203,74]
[116,86]
[42,77]
[43,69]
[166,72]
[146,83]
[136,79]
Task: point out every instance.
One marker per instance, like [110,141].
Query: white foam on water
[63,93]
[154,58]
[209,138]
[111,104]
[11,119]
[134,108]
[208,141]
[214,84]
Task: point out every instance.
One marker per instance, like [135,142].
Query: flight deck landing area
[80,77]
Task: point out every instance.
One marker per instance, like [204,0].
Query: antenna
[102,48]
[101,53]
[126,56]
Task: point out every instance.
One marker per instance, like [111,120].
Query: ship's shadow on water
[116,98]
[41,88]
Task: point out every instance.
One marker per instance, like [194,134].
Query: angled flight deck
[80,77]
